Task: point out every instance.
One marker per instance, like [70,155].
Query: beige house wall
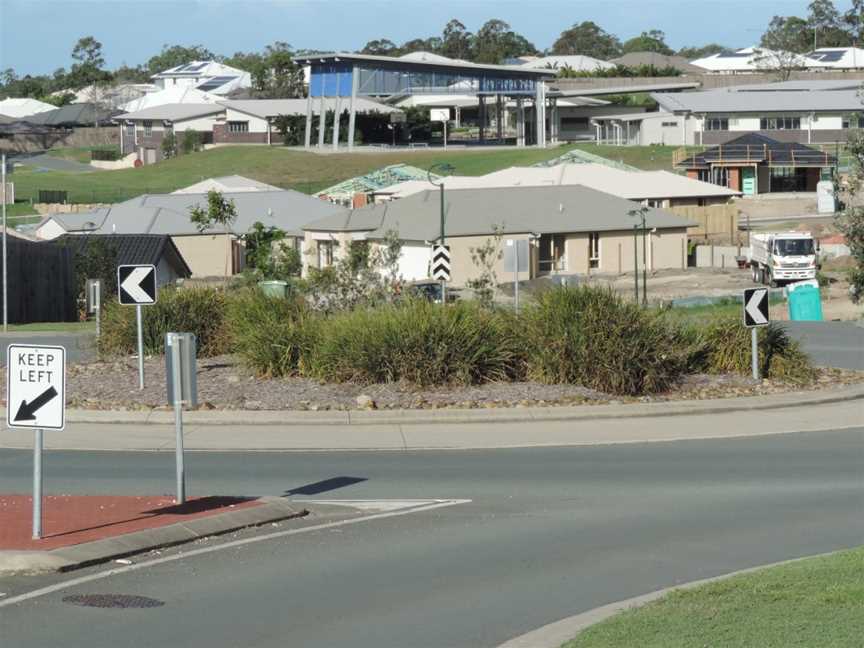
[666,249]
[463,270]
[310,242]
[207,254]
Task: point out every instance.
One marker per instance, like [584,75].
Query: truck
[781,257]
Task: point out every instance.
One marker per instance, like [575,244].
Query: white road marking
[425,505]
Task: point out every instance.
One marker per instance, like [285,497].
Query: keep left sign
[36,386]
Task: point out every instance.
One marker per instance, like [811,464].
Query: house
[211,253]
[173,95]
[247,121]
[755,164]
[836,58]
[571,229]
[20,108]
[207,76]
[114,97]
[74,115]
[807,112]
[153,249]
[748,60]
[651,188]
[574,62]
[226,184]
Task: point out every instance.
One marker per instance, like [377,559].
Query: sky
[37,36]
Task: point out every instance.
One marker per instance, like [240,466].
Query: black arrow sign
[27,411]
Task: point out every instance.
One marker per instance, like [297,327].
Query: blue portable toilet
[805,302]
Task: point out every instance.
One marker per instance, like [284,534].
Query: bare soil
[224,384]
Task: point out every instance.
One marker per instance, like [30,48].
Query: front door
[748,181]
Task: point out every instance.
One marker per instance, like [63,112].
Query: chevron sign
[441,262]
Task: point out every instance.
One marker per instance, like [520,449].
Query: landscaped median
[816,602]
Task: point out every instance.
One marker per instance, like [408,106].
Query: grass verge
[813,602]
[54,327]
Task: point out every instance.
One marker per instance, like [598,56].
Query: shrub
[270,334]
[187,310]
[417,342]
[592,337]
[725,348]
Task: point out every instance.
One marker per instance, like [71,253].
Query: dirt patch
[224,384]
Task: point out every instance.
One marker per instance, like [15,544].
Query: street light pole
[446,168]
[640,213]
[644,264]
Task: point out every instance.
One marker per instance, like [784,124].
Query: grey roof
[511,70]
[174,112]
[471,212]
[72,115]
[169,213]
[634,59]
[623,89]
[800,84]
[272,107]
[724,101]
[134,248]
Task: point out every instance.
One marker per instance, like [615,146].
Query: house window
[574,123]
[653,202]
[148,128]
[594,250]
[850,121]
[717,124]
[780,123]
[238,126]
[669,124]
[325,254]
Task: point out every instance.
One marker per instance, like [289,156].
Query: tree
[495,41]
[220,212]
[825,25]
[693,53]
[276,76]
[191,141]
[87,70]
[169,145]
[456,41]
[380,47]
[485,257]
[781,46]
[853,22]
[173,55]
[589,39]
[88,51]
[850,220]
[268,257]
[653,40]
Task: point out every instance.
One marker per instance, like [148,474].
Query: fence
[41,282]
[718,256]
[714,220]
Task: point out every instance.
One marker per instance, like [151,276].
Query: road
[44,162]
[831,344]
[548,532]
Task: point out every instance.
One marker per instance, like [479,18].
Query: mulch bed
[225,384]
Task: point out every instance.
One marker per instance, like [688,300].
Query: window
[717,124]
[780,123]
[238,127]
[669,124]
[594,250]
[653,202]
[148,128]
[793,247]
[325,254]
[575,123]
[850,121]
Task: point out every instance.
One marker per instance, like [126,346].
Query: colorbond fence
[41,282]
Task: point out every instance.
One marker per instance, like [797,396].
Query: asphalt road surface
[548,533]
[831,344]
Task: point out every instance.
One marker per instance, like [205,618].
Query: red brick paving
[73,519]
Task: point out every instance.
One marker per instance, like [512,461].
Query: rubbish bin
[805,302]
[274,288]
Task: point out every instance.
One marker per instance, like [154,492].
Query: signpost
[441,262]
[136,286]
[755,315]
[36,398]
[180,370]
[442,115]
[94,302]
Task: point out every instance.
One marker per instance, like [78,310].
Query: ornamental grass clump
[271,334]
[417,342]
[189,310]
[592,337]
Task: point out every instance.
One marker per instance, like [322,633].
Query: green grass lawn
[79,153]
[818,602]
[294,169]
[21,213]
[723,308]
[54,327]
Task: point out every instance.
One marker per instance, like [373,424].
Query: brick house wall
[222,136]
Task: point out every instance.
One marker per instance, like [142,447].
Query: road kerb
[556,634]
[449,416]
[273,509]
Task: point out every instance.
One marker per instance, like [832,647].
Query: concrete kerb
[273,509]
[556,634]
[484,415]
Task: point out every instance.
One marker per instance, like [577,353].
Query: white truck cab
[780,257]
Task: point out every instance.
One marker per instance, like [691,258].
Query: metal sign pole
[177,397]
[754,352]
[140,348]
[5,282]
[443,283]
[516,275]
[37,485]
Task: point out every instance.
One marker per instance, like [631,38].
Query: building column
[352,107]
[307,141]
[481,114]
[458,117]
[539,114]
[322,119]
[520,122]
[499,118]
[337,105]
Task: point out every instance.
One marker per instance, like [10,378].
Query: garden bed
[223,383]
